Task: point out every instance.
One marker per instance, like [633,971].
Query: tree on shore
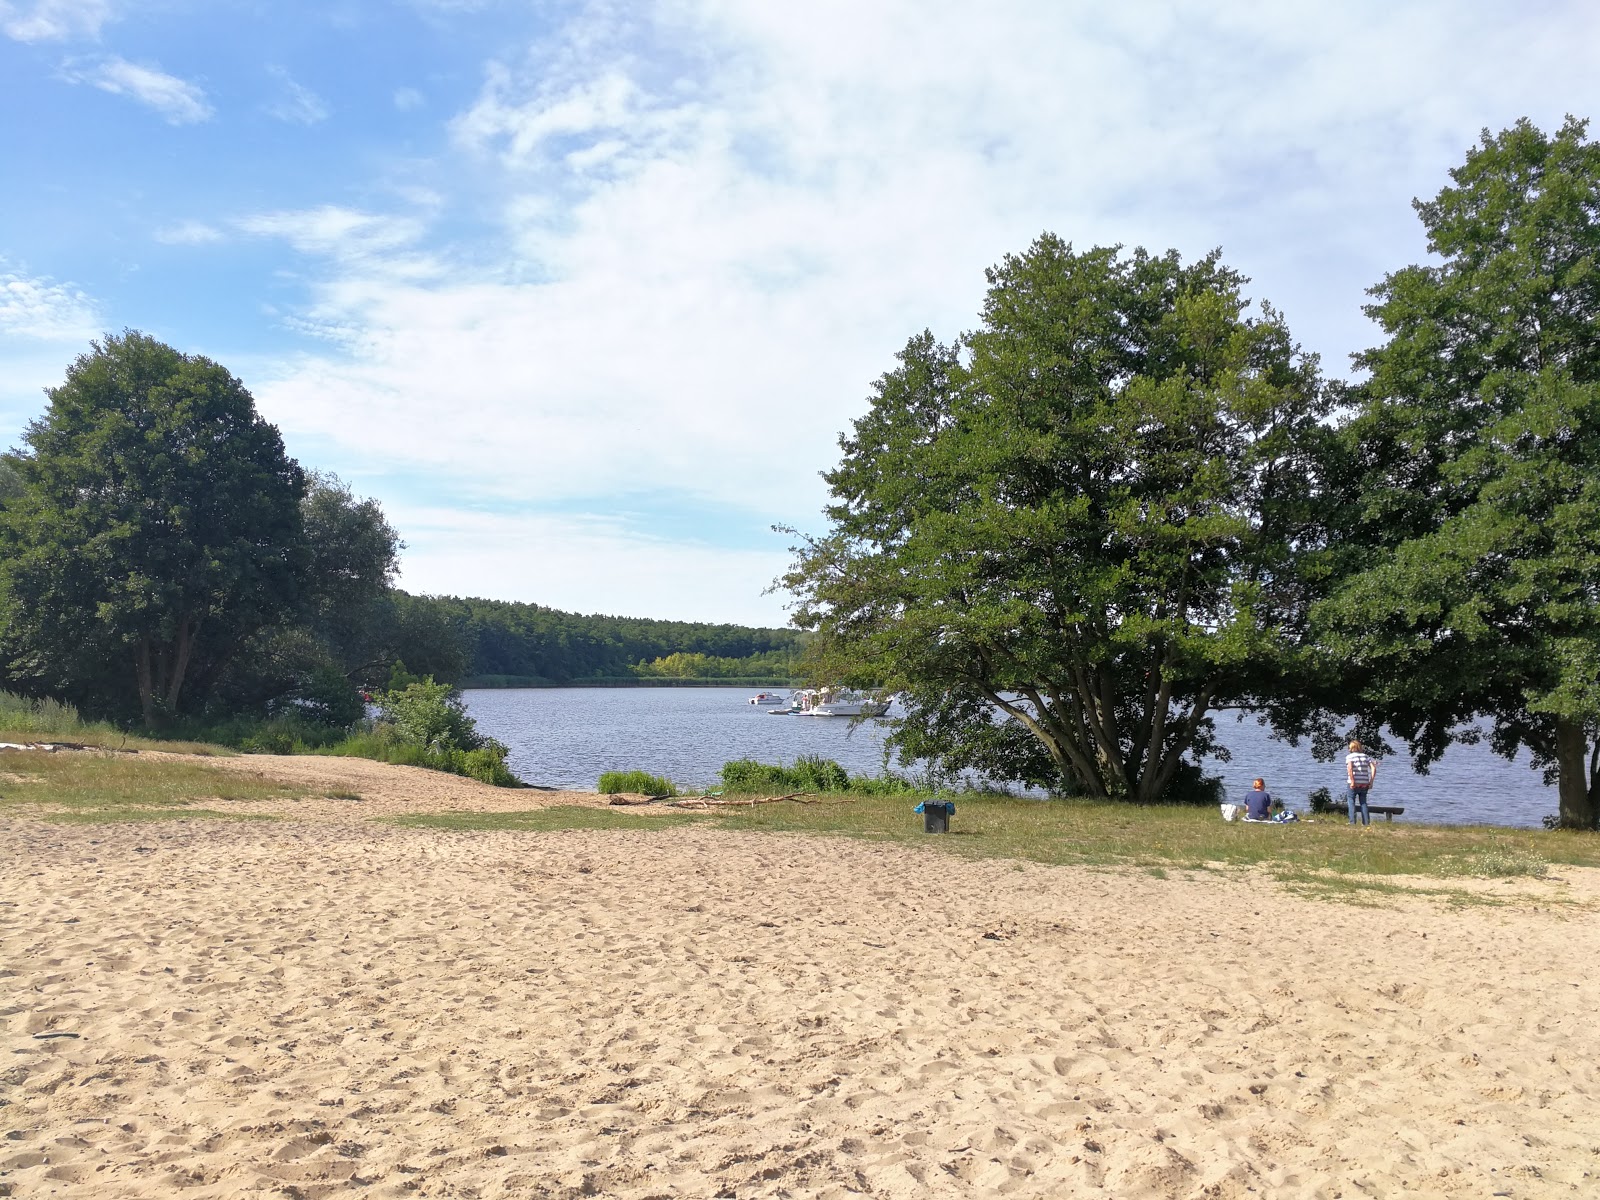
[1087,515]
[1471,473]
[158,526]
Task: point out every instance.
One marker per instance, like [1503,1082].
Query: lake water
[565,737]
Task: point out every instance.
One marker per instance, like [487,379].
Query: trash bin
[935,815]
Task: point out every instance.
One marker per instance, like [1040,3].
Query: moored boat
[839,702]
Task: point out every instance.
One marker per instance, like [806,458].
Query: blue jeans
[1357,798]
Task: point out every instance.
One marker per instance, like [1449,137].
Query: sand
[323,1006]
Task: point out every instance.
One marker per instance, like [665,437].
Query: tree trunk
[141,665]
[1572,754]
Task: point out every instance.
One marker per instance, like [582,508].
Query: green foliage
[773,664]
[157,528]
[25,714]
[1088,515]
[810,773]
[425,724]
[430,715]
[637,781]
[1468,483]
[485,763]
[451,638]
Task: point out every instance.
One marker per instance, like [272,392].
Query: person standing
[1360,770]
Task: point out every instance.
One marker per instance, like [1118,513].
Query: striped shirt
[1359,768]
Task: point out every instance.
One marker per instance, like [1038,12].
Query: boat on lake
[833,702]
[769,698]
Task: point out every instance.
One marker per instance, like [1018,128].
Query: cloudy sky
[584,293]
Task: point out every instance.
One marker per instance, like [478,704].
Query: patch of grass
[1323,857]
[544,820]
[98,816]
[1195,839]
[344,796]
[23,719]
[1500,861]
[637,781]
[90,786]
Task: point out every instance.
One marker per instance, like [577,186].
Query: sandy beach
[323,1006]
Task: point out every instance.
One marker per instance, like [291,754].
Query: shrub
[810,773]
[430,714]
[637,781]
[21,714]
[1322,801]
[1191,785]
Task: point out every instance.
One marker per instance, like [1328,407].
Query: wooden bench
[1389,812]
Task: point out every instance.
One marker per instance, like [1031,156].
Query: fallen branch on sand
[52,747]
[751,801]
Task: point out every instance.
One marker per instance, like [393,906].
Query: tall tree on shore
[158,526]
[1087,515]
[1471,564]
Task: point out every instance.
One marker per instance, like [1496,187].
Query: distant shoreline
[491,682]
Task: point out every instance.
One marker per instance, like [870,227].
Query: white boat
[769,698]
[838,702]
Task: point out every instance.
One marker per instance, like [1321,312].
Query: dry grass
[108,786]
[1156,839]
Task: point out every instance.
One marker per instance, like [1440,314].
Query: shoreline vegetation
[1320,857]
[509,682]
[1125,502]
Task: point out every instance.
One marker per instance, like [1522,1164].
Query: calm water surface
[565,737]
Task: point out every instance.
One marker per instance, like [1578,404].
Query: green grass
[1156,839]
[23,719]
[637,781]
[118,787]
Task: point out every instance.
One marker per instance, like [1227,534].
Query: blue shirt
[1257,804]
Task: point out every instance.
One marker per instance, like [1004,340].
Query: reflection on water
[565,737]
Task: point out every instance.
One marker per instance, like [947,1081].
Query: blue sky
[583,293]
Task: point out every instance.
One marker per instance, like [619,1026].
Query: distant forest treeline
[471,640]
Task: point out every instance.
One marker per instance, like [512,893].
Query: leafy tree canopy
[157,528]
[1470,475]
[1086,514]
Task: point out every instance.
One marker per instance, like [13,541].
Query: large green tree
[1470,560]
[1087,516]
[158,527]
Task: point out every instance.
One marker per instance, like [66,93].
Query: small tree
[157,528]
[1471,475]
[1087,516]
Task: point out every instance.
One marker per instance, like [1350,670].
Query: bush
[485,763]
[21,714]
[810,773]
[637,781]
[430,714]
[1322,801]
[1191,785]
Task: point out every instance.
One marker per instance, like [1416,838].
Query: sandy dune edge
[321,1010]
[385,790]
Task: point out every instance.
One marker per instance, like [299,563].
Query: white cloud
[408,98]
[298,104]
[180,102]
[583,564]
[334,231]
[189,233]
[42,310]
[721,220]
[53,20]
